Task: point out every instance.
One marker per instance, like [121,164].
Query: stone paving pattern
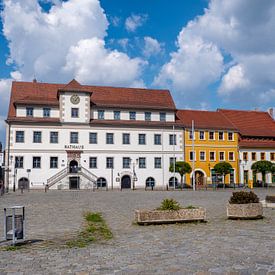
[219,246]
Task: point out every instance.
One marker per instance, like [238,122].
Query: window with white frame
[36,162]
[126,163]
[74,137]
[191,134]
[126,138]
[19,136]
[53,137]
[100,114]
[201,135]
[191,155]
[74,112]
[117,115]
[211,135]
[157,162]
[212,156]
[222,157]
[110,162]
[221,135]
[162,116]
[231,156]
[29,111]
[37,137]
[202,155]
[93,162]
[147,116]
[142,163]
[230,136]
[53,162]
[19,162]
[172,139]
[109,138]
[142,139]
[172,160]
[93,138]
[132,115]
[46,112]
[157,139]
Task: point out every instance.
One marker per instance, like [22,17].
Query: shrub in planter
[169,204]
[244,205]
[270,198]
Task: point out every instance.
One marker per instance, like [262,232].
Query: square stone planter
[245,211]
[169,216]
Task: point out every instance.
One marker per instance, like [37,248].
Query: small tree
[182,168]
[263,167]
[223,168]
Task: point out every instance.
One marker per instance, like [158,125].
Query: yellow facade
[211,147]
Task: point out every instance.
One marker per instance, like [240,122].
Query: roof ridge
[229,120]
[238,110]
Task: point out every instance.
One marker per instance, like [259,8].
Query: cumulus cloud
[134,21]
[151,46]
[242,30]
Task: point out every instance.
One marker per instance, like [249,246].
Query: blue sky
[210,54]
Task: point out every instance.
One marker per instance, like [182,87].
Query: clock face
[75,99]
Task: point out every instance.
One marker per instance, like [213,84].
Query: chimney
[271,112]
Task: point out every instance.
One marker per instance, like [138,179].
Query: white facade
[147,160]
[245,165]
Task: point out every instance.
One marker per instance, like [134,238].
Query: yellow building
[215,140]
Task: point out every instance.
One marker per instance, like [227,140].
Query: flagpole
[174,162]
[193,159]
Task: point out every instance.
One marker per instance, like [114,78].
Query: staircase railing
[57,177]
[87,174]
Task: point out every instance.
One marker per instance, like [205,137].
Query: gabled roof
[34,93]
[205,120]
[251,123]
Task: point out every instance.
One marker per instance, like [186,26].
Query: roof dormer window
[132,115]
[46,112]
[29,111]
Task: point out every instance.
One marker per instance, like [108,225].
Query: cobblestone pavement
[219,246]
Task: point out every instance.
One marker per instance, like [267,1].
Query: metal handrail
[57,176]
[88,174]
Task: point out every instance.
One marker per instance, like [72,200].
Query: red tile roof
[205,120]
[100,96]
[251,123]
[257,143]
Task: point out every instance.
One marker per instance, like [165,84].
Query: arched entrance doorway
[125,182]
[23,183]
[199,178]
[73,166]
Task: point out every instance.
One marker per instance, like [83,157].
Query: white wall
[37,111]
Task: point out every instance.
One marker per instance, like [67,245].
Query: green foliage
[262,166]
[242,197]
[169,204]
[223,168]
[95,229]
[181,167]
[190,207]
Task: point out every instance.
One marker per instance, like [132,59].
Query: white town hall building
[71,136]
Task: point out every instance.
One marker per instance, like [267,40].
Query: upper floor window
[202,155]
[132,115]
[191,134]
[117,115]
[262,156]
[212,156]
[29,111]
[157,162]
[53,137]
[172,161]
[157,139]
[100,114]
[211,135]
[125,138]
[222,156]
[172,140]
[93,162]
[36,162]
[253,156]
[142,163]
[19,161]
[272,156]
[162,116]
[54,162]
[74,137]
[110,162]
[126,162]
[141,139]
[37,137]
[109,138]
[147,116]
[46,112]
[245,156]
[93,138]
[19,136]
[191,155]
[230,136]
[231,156]
[220,135]
[201,135]
[75,112]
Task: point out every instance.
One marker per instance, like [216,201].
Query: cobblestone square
[219,246]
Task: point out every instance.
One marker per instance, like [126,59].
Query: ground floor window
[216,178]
[101,182]
[173,181]
[150,182]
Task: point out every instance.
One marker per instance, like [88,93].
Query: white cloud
[192,67]
[134,21]
[151,46]
[123,42]
[242,30]
[91,62]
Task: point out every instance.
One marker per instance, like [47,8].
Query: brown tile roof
[251,123]
[100,96]
[257,143]
[205,120]
[34,119]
